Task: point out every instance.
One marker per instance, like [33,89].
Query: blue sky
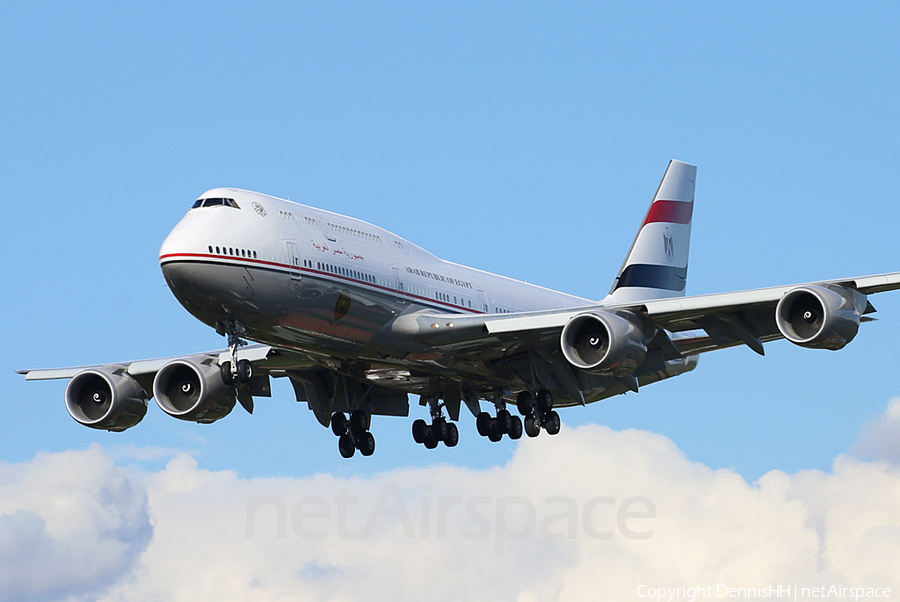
[521,139]
[525,139]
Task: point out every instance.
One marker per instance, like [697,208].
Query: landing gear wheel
[418,430]
[345,446]
[551,423]
[495,437]
[338,424]
[483,424]
[515,432]
[225,372]
[439,429]
[366,444]
[452,437]
[430,441]
[504,421]
[544,401]
[532,427]
[244,371]
[359,422]
[524,403]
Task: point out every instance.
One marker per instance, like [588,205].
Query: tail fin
[656,265]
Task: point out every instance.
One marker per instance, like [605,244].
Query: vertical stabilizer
[656,266]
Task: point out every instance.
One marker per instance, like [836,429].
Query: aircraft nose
[181,240]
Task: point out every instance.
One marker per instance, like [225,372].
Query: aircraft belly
[310,314]
[348,328]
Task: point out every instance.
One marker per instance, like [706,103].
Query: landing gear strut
[503,424]
[440,430]
[236,370]
[538,412]
[353,433]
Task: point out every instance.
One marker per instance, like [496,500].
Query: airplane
[358,318]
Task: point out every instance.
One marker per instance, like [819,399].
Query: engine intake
[604,343]
[189,390]
[105,400]
[820,317]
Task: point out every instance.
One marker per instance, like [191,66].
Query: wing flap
[52,373]
[879,283]
[254,353]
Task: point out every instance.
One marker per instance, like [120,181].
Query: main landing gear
[538,412]
[353,433]
[440,430]
[503,424]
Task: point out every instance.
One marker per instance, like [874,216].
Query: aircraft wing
[728,319]
[125,387]
[148,368]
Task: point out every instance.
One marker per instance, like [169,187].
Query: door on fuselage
[398,283]
[484,302]
[293,259]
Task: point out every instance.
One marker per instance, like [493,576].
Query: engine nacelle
[820,317]
[192,391]
[104,400]
[605,343]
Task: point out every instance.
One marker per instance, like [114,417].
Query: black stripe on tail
[653,276]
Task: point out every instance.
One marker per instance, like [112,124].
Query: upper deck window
[214,202]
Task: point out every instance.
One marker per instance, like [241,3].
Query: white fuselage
[273,238]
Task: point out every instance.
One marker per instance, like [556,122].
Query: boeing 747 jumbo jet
[357,318]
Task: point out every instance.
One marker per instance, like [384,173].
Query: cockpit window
[214,202]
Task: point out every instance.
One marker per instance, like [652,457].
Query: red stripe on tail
[672,212]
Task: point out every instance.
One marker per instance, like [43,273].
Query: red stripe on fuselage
[671,212]
[305,270]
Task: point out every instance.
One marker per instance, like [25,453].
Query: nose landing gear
[240,371]
[243,374]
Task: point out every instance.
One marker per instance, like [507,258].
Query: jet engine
[605,342]
[189,390]
[105,400]
[820,318]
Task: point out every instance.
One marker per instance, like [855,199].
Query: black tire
[225,372]
[430,440]
[359,422]
[532,427]
[515,432]
[483,424]
[552,423]
[338,424]
[439,428]
[345,446]
[418,429]
[452,437]
[366,444]
[495,437]
[544,401]
[524,403]
[245,371]
[504,421]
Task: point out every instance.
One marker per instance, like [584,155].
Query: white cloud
[70,523]
[590,514]
[142,453]
[879,439]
